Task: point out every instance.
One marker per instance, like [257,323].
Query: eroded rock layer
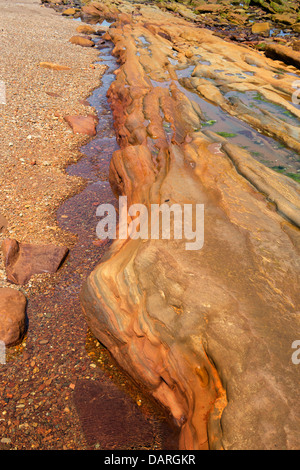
[208,332]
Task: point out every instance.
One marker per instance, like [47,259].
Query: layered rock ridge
[208,331]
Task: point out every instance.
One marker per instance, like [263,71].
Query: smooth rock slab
[80,41]
[69,12]
[82,124]
[3,223]
[259,28]
[207,332]
[90,10]
[53,66]
[22,260]
[12,315]
[109,418]
[85,29]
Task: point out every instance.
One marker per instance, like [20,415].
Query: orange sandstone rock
[12,315]
[82,124]
[51,65]
[81,41]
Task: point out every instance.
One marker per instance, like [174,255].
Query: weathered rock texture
[22,260]
[12,315]
[207,332]
[52,66]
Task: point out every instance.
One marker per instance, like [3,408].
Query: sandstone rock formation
[85,29]
[81,41]
[12,315]
[283,53]
[69,12]
[259,28]
[3,223]
[207,332]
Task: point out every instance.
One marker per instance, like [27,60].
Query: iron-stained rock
[22,260]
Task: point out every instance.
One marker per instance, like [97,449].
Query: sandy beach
[36,142]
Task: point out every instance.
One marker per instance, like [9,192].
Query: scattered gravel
[36,142]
